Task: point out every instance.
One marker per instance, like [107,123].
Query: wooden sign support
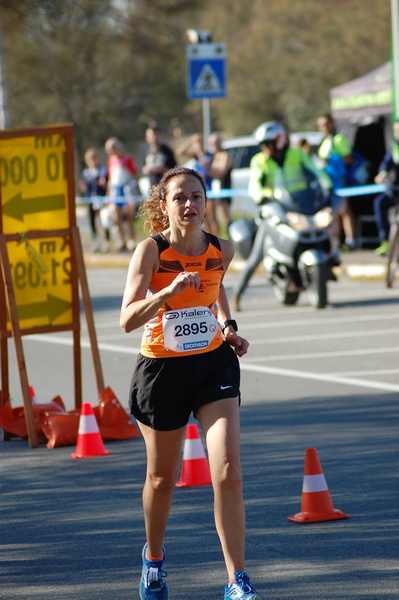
[12,311]
[77,242]
[41,254]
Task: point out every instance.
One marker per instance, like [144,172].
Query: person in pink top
[123,190]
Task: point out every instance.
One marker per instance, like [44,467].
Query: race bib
[186,329]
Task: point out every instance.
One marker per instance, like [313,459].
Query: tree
[98,66]
[110,67]
[284,56]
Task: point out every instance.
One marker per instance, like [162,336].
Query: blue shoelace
[242,580]
[155,578]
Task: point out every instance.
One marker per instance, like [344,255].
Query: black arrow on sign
[52,307]
[18,206]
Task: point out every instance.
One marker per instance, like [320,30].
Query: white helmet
[269,131]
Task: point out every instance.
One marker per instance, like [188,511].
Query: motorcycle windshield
[306,202]
[300,194]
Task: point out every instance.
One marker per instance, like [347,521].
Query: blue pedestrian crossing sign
[206,71]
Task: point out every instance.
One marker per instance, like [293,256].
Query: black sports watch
[230,323]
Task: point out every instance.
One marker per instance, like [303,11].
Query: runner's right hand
[183,281]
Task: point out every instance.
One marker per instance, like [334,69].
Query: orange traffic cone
[195,468]
[112,418]
[89,442]
[316,505]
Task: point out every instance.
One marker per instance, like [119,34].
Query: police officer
[276,161]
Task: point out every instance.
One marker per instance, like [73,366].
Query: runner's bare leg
[163,454]
[221,424]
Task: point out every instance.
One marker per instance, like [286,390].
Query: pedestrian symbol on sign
[206,72]
[207,81]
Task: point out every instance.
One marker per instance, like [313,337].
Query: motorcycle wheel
[282,293]
[317,285]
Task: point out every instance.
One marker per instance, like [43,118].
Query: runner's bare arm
[138,308]
[223,305]
[239,344]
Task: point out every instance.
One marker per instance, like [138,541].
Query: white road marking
[245,366]
[282,323]
[326,321]
[85,343]
[107,325]
[324,377]
[115,322]
[367,372]
[324,336]
[334,354]
[120,337]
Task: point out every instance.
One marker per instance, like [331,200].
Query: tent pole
[395,52]
[395,69]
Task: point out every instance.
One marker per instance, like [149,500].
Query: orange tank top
[187,323]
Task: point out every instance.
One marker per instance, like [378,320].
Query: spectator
[93,184]
[306,147]
[388,174]
[220,171]
[123,191]
[160,157]
[199,159]
[334,149]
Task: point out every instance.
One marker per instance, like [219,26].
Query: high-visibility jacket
[266,174]
[334,144]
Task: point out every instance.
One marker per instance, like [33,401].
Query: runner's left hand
[238,343]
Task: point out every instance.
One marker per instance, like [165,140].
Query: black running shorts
[165,391]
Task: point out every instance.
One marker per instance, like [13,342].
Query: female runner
[188,364]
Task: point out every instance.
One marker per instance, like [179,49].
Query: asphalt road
[324,379]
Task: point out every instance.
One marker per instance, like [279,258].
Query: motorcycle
[296,247]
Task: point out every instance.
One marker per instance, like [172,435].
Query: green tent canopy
[363,98]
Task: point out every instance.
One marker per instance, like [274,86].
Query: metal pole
[206,120]
[3,96]
[395,51]
[395,71]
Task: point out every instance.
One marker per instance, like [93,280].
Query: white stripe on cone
[193,449]
[88,424]
[314,483]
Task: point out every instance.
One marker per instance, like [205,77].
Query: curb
[106,261]
[365,272]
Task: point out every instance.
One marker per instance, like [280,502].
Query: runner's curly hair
[154,219]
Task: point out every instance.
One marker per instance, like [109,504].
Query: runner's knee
[161,481]
[227,476]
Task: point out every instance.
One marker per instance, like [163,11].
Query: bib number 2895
[189,328]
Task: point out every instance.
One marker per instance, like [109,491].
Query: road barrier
[345,192]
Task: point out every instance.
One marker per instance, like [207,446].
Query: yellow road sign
[41,257]
[33,179]
[41,273]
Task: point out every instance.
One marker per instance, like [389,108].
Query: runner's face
[185,201]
